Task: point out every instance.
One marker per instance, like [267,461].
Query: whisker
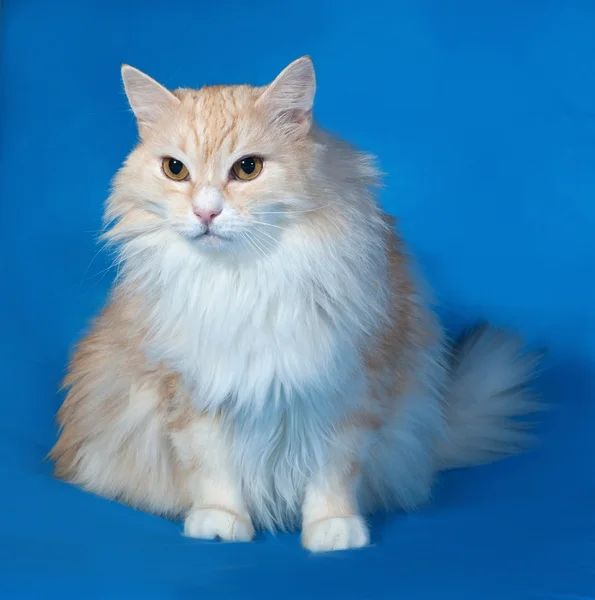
[118,265]
[102,273]
[101,249]
[290,212]
[247,239]
[269,225]
[299,276]
[265,233]
[128,234]
[262,250]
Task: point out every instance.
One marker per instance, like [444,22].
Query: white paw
[211,523]
[338,533]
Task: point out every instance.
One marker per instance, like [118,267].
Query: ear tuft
[290,96]
[148,99]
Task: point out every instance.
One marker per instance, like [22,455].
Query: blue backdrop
[482,114]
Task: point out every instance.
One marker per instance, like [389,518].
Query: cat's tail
[488,393]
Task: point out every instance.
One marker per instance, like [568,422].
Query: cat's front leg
[330,513]
[217,510]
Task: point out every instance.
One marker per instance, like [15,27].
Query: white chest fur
[268,350]
[253,335]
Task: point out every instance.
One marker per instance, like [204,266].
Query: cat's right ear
[148,99]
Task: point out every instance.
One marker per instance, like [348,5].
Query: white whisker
[269,225]
[275,241]
[90,263]
[250,242]
[294,212]
[257,241]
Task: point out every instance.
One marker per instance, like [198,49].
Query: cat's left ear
[289,98]
[148,99]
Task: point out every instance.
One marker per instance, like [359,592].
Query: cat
[268,357]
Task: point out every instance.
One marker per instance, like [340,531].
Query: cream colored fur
[279,366]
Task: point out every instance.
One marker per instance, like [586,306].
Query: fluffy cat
[268,356]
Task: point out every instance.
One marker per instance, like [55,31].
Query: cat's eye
[247,168]
[174,169]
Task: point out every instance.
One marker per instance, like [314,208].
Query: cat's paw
[212,523]
[337,533]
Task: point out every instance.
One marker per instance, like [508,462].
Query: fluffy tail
[488,392]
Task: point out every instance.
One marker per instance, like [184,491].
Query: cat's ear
[148,99]
[290,97]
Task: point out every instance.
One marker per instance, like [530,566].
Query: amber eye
[247,168]
[175,169]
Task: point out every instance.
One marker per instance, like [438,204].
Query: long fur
[293,372]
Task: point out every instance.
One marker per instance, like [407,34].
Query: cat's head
[224,168]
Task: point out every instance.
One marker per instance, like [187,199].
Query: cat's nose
[207,216]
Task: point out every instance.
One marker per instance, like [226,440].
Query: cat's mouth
[210,237]
[209,233]
[206,237]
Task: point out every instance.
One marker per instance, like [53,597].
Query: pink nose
[207,216]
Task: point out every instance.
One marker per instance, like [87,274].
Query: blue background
[483,117]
